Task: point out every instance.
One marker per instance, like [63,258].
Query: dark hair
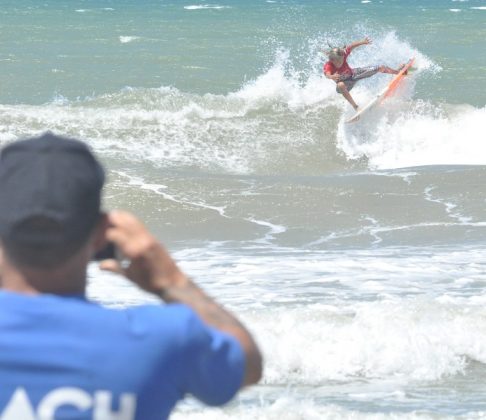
[39,253]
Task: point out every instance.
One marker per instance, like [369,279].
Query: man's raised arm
[153,269]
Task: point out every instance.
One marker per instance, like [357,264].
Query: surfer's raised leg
[389,70]
[343,90]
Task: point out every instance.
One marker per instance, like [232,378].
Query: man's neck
[70,279]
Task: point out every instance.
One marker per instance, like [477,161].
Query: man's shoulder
[177,321]
[149,319]
[58,312]
[171,315]
[328,66]
[177,311]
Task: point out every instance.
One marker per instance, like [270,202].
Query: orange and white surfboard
[385,93]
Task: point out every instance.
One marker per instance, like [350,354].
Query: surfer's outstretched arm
[364,41]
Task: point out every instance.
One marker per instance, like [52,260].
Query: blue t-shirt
[68,358]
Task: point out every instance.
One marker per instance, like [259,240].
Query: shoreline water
[355,253]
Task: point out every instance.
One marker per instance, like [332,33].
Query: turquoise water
[355,253]
[82,48]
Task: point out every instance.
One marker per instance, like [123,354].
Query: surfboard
[385,93]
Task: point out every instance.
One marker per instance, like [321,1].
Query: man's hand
[336,77]
[366,41]
[149,265]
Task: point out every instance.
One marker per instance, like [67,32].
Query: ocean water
[356,254]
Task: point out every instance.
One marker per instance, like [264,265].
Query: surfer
[338,69]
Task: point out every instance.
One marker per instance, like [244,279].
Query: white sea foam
[162,190]
[396,320]
[479,8]
[115,291]
[455,10]
[181,137]
[171,128]
[266,121]
[281,83]
[422,136]
[106,9]
[291,407]
[410,132]
[405,338]
[127,39]
[60,100]
[206,6]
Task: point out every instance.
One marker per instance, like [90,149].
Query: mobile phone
[107,253]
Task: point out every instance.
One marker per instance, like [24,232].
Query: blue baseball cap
[53,178]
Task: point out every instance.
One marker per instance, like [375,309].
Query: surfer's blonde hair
[336,53]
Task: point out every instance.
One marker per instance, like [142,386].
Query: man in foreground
[62,356]
[338,70]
